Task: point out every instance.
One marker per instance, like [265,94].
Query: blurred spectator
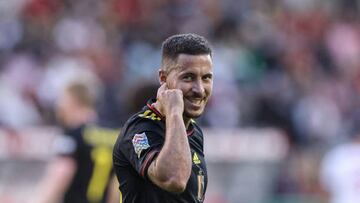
[290,45]
[19,78]
[340,172]
[298,179]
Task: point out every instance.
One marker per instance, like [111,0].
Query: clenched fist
[171,100]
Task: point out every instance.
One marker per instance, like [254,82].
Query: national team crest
[140,142]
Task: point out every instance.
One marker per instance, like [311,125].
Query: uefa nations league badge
[140,142]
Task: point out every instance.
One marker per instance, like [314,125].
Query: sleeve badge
[140,143]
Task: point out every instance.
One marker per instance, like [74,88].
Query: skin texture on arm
[113,193]
[172,167]
[57,179]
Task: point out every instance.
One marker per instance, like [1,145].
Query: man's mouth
[195,102]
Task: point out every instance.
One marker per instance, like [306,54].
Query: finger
[165,86]
[161,89]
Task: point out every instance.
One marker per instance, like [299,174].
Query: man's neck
[187,122]
[83,117]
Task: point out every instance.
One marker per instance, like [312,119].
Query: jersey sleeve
[141,144]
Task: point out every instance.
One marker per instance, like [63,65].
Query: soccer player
[159,156]
[81,171]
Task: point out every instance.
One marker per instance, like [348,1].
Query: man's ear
[162,76]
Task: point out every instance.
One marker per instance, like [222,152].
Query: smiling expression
[192,74]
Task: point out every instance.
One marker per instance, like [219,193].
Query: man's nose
[198,88]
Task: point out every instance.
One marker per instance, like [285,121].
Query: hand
[170,100]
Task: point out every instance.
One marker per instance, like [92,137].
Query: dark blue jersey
[141,139]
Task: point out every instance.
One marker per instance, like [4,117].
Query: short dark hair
[190,43]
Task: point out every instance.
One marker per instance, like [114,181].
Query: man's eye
[208,77]
[187,78]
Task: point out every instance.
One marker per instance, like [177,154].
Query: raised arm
[172,167]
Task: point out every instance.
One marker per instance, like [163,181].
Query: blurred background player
[82,170]
[340,171]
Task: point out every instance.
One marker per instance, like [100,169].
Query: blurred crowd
[290,64]
[284,63]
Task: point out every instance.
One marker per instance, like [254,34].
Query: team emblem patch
[140,142]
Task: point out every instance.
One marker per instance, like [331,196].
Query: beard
[193,114]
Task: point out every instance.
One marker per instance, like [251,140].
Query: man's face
[193,76]
[65,108]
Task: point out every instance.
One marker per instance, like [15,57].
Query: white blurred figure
[16,112]
[63,70]
[340,172]
[18,81]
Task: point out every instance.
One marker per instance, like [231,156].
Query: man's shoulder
[73,133]
[139,124]
[144,120]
